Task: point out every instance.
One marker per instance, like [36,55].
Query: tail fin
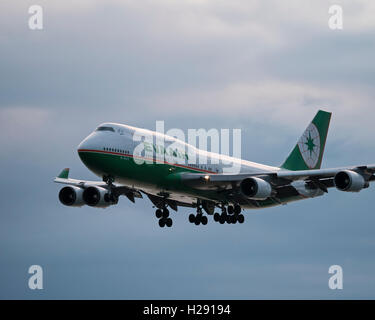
[308,153]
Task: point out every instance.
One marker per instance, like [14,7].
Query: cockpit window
[105,129]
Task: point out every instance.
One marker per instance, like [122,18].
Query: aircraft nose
[82,145]
[86,144]
[89,151]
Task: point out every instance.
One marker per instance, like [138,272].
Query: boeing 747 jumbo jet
[109,152]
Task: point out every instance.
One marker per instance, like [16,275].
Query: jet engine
[98,197]
[256,188]
[350,181]
[71,196]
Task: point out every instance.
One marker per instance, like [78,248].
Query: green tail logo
[308,153]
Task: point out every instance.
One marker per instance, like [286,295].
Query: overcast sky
[262,66]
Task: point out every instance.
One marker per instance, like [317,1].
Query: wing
[321,178]
[118,190]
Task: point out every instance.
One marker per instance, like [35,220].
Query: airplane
[109,152]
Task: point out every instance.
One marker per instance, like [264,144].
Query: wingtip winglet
[64,174]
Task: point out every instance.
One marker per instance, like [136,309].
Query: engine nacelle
[71,196]
[350,181]
[256,188]
[98,197]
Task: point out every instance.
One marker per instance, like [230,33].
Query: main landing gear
[198,218]
[231,215]
[163,216]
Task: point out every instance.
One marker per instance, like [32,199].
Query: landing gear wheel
[198,219]
[191,218]
[162,223]
[228,219]
[237,209]
[158,213]
[241,218]
[204,220]
[223,218]
[216,217]
[169,222]
[165,213]
[230,209]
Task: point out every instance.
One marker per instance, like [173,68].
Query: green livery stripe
[148,159]
[322,120]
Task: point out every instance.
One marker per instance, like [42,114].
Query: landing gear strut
[108,179]
[111,196]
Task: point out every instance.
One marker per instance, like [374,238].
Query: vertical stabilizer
[308,152]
